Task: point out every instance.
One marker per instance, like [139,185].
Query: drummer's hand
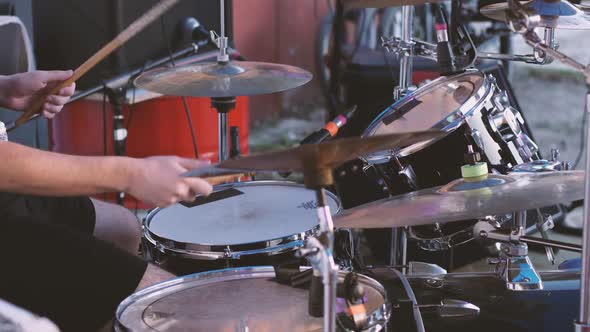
[158,180]
[19,91]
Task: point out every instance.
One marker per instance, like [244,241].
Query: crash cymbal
[223,80]
[321,156]
[554,14]
[497,195]
[383,3]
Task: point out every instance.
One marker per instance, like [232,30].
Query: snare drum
[243,299]
[473,111]
[239,224]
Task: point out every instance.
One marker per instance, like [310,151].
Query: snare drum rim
[461,114]
[206,251]
[378,318]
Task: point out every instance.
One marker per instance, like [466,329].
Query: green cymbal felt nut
[473,171]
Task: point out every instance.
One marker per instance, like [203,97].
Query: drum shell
[155,127]
[440,162]
[552,309]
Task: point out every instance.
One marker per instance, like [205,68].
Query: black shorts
[76,213]
[54,267]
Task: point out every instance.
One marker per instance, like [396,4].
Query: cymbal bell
[558,14]
[316,160]
[383,3]
[213,79]
[462,200]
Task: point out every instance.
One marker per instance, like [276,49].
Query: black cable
[184,102]
[104,120]
[104,127]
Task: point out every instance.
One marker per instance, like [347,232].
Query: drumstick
[105,51]
[223,179]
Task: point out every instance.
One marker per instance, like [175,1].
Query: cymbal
[212,79]
[498,195]
[323,156]
[329,154]
[383,3]
[557,14]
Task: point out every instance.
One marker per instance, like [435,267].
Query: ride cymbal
[462,200]
[557,14]
[223,79]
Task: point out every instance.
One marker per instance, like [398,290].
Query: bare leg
[117,225]
[152,275]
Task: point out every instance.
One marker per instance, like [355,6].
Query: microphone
[329,130]
[193,31]
[445,56]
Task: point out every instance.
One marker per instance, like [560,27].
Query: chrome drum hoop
[475,103]
[376,320]
[199,251]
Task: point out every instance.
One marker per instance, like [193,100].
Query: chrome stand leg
[583,323]
[406,60]
[398,249]
[328,267]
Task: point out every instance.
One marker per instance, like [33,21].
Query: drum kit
[453,151]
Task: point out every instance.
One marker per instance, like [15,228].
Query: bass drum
[464,294]
[475,113]
[244,299]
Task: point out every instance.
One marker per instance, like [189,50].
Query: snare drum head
[241,213]
[442,104]
[246,299]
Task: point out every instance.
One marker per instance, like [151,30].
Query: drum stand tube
[406,53]
[399,240]
[583,323]
[319,251]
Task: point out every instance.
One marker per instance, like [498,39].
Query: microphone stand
[523,21]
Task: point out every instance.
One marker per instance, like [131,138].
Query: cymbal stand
[428,50]
[319,250]
[405,53]
[223,105]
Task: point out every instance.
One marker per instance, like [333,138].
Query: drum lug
[227,253]
[159,254]
[476,136]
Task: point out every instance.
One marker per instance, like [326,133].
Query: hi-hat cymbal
[458,201]
[558,14]
[321,156]
[223,80]
[383,3]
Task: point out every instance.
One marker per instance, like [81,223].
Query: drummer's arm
[155,180]
[30,171]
